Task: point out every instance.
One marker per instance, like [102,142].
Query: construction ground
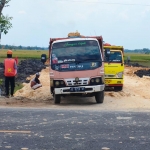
[134,96]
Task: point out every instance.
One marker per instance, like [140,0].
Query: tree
[20,47]
[5,23]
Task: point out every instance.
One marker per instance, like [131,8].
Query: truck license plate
[107,81]
[77,89]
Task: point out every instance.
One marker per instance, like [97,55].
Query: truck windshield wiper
[110,61]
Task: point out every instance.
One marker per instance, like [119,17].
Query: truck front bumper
[88,89]
[114,82]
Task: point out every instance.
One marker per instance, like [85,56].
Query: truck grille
[109,76]
[82,81]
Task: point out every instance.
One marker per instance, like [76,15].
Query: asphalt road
[53,129]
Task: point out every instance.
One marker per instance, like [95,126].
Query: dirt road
[135,96]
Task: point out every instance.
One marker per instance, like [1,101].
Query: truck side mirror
[43,58]
[107,52]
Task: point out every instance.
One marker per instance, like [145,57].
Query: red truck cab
[77,67]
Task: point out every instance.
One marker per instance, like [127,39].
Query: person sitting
[35,82]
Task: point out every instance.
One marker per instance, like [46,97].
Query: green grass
[138,57]
[23,54]
[147,64]
[18,87]
[2,59]
[1,81]
[142,59]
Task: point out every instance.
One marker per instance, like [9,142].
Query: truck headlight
[62,82]
[120,74]
[97,80]
[92,80]
[57,83]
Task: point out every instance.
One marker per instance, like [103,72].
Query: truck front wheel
[57,98]
[99,97]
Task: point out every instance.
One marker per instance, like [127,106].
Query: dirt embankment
[135,95]
[134,86]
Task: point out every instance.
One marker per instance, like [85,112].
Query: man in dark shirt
[35,82]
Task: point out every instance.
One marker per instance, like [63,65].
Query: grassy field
[17,86]
[138,57]
[23,54]
[142,59]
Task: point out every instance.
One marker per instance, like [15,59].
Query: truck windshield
[114,57]
[75,51]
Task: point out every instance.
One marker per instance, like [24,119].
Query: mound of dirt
[135,95]
[143,72]
[136,71]
[42,93]
[133,86]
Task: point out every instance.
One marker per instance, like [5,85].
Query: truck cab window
[75,51]
[114,57]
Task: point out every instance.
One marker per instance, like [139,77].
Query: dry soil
[134,96]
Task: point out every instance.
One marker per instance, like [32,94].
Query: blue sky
[36,21]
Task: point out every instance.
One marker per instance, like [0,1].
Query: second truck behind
[114,66]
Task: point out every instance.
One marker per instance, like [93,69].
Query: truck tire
[118,88]
[57,98]
[52,91]
[99,97]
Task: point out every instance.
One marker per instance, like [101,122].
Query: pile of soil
[142,72]
[40,94]
[26,68]
[138,70]
[134,96]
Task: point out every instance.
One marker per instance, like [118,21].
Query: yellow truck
[114,66]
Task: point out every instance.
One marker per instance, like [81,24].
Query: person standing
[128,59]
[10,71]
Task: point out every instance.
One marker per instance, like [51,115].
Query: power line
[107,3]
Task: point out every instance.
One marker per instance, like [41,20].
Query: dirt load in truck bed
[134,96]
